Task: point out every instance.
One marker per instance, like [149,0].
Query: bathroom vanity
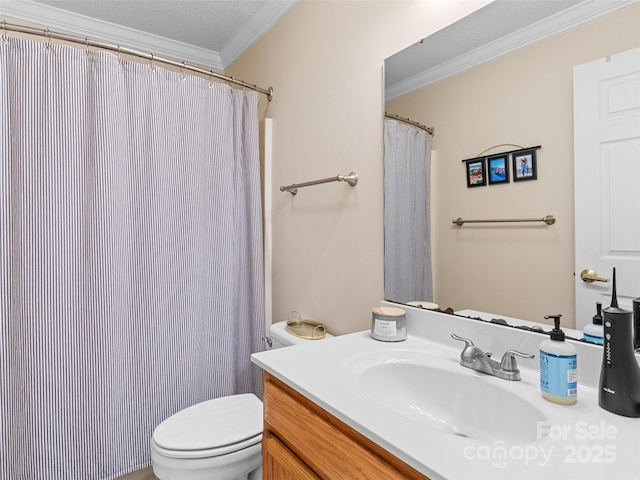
[357,408]
[302,439]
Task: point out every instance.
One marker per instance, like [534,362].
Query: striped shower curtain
[130,255]
[407,222]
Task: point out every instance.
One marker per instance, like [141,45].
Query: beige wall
[324,60]
[523,98]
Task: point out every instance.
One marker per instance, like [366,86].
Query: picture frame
[498,169]
[524,165]
[476,172]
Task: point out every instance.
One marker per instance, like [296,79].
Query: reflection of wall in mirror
[523,98]
[327,119]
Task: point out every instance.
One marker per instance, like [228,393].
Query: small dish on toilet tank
[388,324]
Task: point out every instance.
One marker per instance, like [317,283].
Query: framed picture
[498,169]
[524,165]
[476,172]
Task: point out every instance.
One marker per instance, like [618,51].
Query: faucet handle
[468,343]
[509,362]
[470,353]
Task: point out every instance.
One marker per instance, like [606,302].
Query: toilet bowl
[218,439]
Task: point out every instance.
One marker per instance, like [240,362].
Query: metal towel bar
[351,179]
[549,220]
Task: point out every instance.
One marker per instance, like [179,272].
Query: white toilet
[218,439]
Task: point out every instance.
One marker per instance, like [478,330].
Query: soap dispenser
[593,332]
[619,388]
[558,367]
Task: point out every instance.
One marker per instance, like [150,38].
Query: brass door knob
[590,276]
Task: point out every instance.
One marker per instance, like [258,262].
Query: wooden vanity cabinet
[304,442]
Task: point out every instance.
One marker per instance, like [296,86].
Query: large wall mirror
[499,80]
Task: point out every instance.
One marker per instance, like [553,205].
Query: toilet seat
[212,428]
[209,452]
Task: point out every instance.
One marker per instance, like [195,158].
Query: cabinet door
[279,463]
[323,443]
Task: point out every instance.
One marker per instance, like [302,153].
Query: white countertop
[581,441]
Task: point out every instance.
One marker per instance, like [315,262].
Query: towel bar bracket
[351,179]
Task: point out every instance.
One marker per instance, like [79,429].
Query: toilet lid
[212,424]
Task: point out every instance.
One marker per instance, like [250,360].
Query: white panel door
[607,180]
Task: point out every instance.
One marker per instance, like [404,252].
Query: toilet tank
[280,337]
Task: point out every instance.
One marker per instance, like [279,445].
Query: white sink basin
[415,400]
[462,403]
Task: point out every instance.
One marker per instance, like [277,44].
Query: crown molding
[259,24]
[73,23]
[558,23]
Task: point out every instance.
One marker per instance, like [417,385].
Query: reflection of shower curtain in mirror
[407,246]
[130,256]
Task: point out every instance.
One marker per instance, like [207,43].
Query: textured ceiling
[212,33]
[497,19]
[216,32]
[491,31]
[207,24]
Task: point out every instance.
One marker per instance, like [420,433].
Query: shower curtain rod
[77,39]
[429,130]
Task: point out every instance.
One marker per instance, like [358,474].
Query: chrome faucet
[473,357]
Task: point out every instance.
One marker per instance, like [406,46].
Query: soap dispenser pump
[619,388]
[593,332]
